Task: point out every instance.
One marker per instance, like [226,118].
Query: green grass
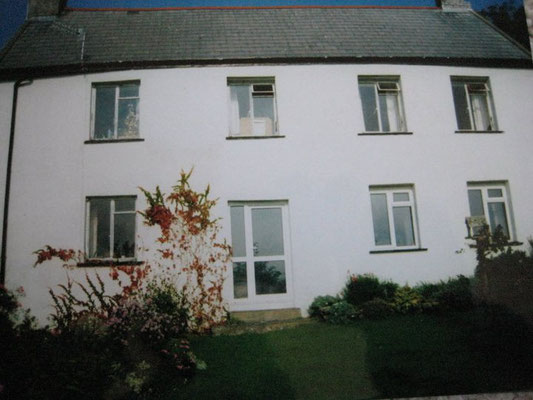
[401,356]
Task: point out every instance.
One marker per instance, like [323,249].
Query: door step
[282,314]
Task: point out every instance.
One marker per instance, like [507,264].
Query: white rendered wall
[321,167]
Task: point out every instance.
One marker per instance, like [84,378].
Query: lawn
[476,351]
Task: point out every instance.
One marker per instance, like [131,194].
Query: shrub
[320,306]
[155,315]
[407,301]
[455,294]
[376,309]
[362,288]
[341,313]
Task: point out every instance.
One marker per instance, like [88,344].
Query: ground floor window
[394,217]
[489,205]
[110,227]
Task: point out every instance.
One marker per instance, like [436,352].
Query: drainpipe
[18,84]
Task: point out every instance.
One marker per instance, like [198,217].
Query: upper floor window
[252,107]
[488,205]
[474,108]
[110,230]
[394,217]
[115,112]
[382,104]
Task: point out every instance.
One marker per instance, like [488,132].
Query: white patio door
[261,262]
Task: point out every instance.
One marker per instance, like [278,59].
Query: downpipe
[18,84]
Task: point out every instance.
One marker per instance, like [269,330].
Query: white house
[338,139]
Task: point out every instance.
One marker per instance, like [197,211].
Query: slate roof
[99,40]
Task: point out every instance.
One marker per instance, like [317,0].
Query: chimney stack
[528,5]
[454,5]
[45,8]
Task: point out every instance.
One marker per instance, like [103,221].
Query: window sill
[477,132]
[510,244]
[384,133]
[254,137]
[396,251]
[95,141]
[108,263]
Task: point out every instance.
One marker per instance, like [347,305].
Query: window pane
[368,100]
[270,277]
[403,226]
[238,240]
[480,111]
[241,95]
[267,231]
[129,90]
[380,218]
[240,283]
[495,193]
[128,118]
[124,235]
[400,196]
[461,106]
[104,113]
[498,217]
[264,107]
[99,229]
[125,204]
[475,201]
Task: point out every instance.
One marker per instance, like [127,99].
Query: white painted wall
[322,167]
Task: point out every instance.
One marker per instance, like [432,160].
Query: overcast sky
[13,12]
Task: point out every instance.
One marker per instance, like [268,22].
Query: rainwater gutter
[18,84]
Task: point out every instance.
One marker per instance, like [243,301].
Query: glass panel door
[259,251]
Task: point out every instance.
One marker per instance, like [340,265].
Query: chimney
[45,8]
[528,5]
[454,5]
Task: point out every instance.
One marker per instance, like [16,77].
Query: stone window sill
[108,263]
[101,141]
[477,132]
[396,251]
[511,244]
[384,133]
[254,137]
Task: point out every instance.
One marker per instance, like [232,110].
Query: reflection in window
[270,277]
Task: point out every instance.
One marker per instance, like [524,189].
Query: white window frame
[485,200]
[112,214]
[252,83]
[467,82]
[116,85]
[389,191]
[249,258]
[377,82]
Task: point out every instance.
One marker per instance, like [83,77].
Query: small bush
[455,294]
[341,313]
[376,309]
[362,288]
[319,308]
[407,301]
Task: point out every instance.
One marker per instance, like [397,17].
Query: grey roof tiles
[237,35]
